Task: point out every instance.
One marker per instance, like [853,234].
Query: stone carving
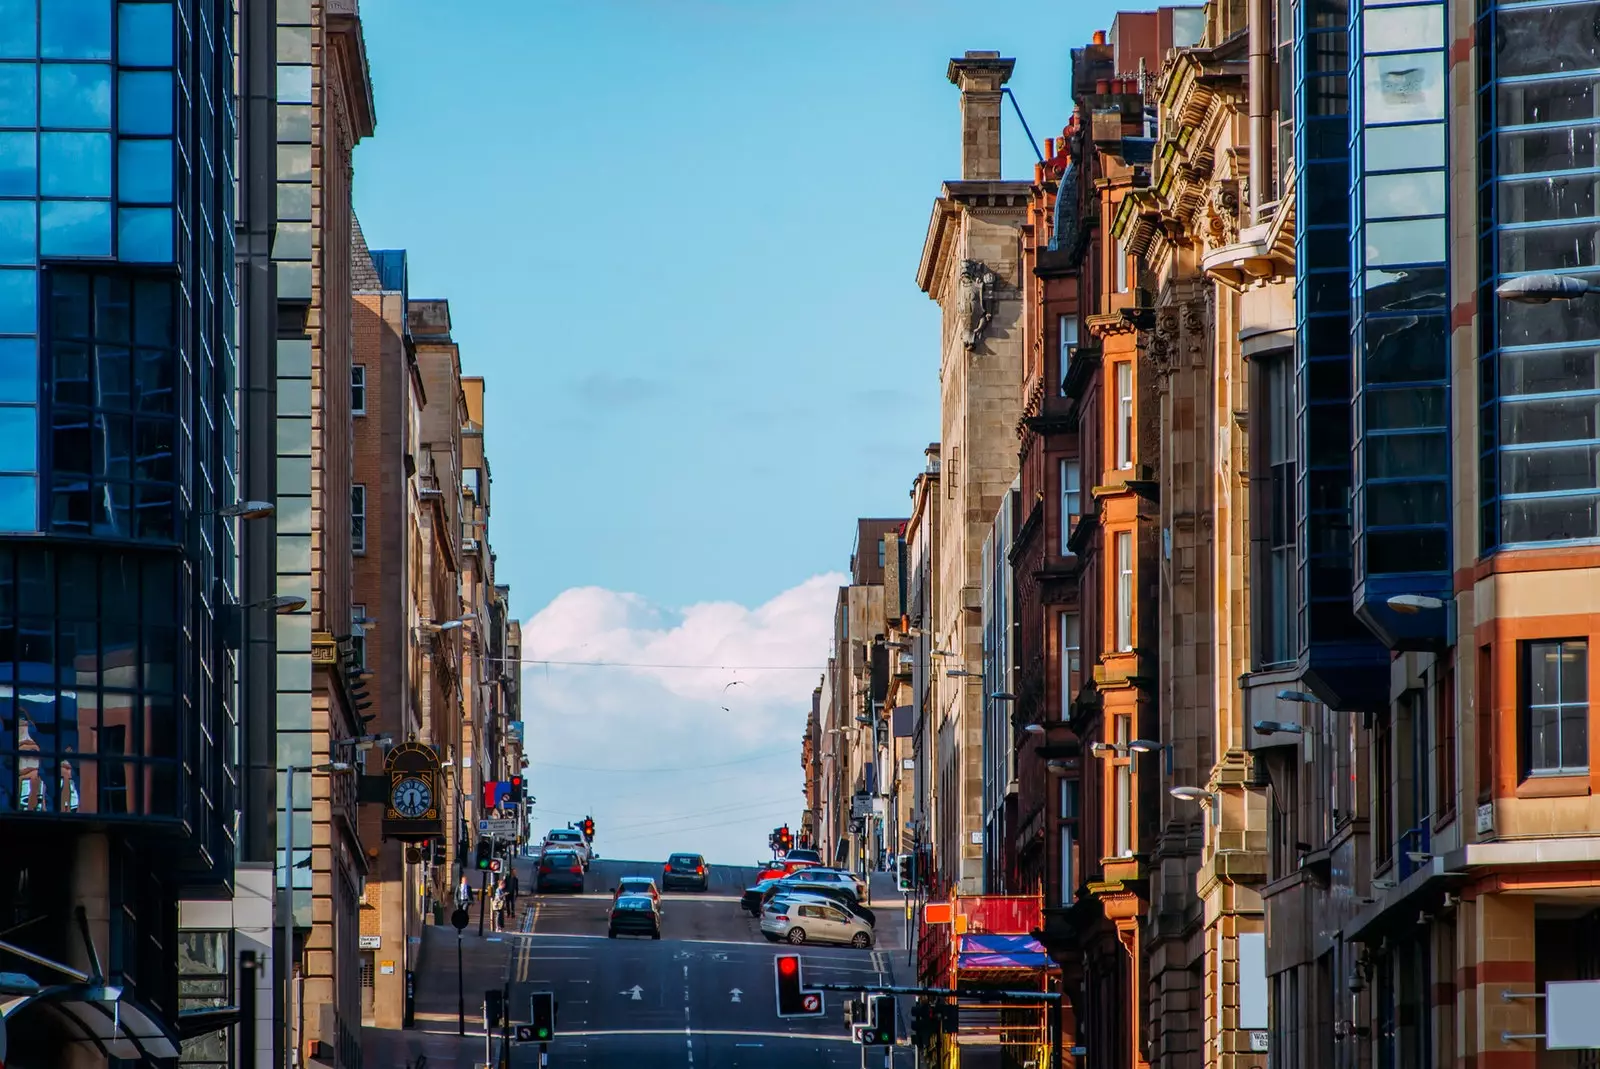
[977,300]
[1222,213]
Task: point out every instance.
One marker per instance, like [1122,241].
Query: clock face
[412,797]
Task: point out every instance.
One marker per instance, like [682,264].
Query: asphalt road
[702,997]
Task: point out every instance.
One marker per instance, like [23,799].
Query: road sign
[524,1033]
[460,919]
[498,827]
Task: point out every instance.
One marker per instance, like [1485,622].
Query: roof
[364,276]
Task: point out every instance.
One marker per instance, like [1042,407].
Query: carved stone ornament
[1162,341]
[1222,214]
[977,300]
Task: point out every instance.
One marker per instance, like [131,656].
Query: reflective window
[1401,148]
[75,29]
[75,95]
[19,370]
[75,228]
[144,35]
[19,94]
[294,44]
[1408,242]
[74,165]
[91,720]
[144,235]
[19,300]
[294,85]
[144,102]
[144,171]
[1403,88]
[19,164]
[19,506]
[18,232]
[19,28]
[294,200]
[1403,27]
[1555,708]
[115,442]
[19,438]
[1392,195]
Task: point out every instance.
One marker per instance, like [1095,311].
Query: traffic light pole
[461,990]
[483,900]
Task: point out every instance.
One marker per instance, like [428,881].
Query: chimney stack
[980,76]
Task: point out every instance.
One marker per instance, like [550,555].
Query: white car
[832,878]
[813,920]
[568,839]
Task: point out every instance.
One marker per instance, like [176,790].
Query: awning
[118,1026]
[1001,952]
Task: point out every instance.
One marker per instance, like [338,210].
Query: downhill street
[702,997]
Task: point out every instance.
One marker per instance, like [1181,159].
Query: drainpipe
[1261,132]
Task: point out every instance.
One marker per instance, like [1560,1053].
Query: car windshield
[684,860]
[560,858]
[636,887]
[564,836]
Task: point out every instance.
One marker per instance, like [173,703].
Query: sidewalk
[435,1035]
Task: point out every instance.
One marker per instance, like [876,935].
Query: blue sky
[679,238]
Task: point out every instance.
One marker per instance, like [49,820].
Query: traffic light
[492,1007]
[544,1016]
[881,1021]
[785,840]
[793,999]
[905,871]
[515,795]
[485,854]
[588,829]
[923,1027]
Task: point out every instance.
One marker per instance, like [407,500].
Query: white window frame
[1067,332]
[358,639]
[1070,625]
[358,518]
[358,388]
[1120,268]
[1124,593]
[1124,430]
[1122,803]
[1071,500]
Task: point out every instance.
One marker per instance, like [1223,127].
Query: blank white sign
[1572,1015]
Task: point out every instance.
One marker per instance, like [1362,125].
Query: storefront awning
[1001,952]
[116,1025]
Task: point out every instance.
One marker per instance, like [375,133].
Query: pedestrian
[512,887]
[497,904]
[464,893]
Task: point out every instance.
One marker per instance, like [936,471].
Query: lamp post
[289,1016]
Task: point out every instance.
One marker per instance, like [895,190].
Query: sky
[679,239]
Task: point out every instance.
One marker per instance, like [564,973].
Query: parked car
[636,885]
[779,869]
[835,877]
[813,920]
[754,895]
[839,895]
[568,839]
[559,870]
[685,870]
[803,853]
[634,915]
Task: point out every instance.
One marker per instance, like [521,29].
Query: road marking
[635,990]
[736,993]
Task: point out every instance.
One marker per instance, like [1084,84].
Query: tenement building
[119,605]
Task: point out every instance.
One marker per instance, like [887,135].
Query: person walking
[497,905]
[512,887]
[464,893]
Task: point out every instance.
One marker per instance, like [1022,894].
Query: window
[1067,331]
[1071,662]
[205,982]
[1124,562]
[1071,501]
[1067,891]
[1556,707]
[1120,267]
[1444,719]
[358,390]
[1122,804]
[1382,793]
[883,553]
[358,519]
[1125,414]
[358,637]
[1273,521]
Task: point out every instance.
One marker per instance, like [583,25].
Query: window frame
[1525,707]
[1122,789]
[358,519]
[358,388]
[1069,623]
[1123,579]
[1122,372]
[1071,474]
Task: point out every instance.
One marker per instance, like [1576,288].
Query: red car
[779,869]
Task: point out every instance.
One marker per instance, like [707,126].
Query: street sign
[497,827]
[524,1033]
[460,919]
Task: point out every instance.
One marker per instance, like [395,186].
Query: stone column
[980,76]
[1503,953]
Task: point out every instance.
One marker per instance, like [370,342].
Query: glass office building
[118,449]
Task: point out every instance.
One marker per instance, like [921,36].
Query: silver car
[831,877]
[801,919]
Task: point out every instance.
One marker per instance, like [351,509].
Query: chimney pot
[1099,37]
[1102,87]
[980,76]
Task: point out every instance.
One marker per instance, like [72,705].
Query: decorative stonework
[977,301]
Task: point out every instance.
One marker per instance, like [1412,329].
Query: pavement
[702,997]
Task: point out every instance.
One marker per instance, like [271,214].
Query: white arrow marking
[635,991]
[736,993]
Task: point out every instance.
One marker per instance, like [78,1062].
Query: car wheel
[797,936]
[862,941]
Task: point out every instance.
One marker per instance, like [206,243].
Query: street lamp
[244,510]
[1298,696]
[282,604]
[1002,696]
[1543,288]
[960,673]
[1411,604]
[1150,746]
[1108,749]
[289,1039]
[1273,727]
[1192,794]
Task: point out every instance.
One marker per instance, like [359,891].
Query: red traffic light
[788,965]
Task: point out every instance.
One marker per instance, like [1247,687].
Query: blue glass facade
[118,432]
[1343,664]
[1400,334]
[1539,383]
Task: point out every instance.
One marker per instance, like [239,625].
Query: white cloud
[673,758]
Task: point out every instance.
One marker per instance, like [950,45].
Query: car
[636,885]
[833,877]
[559,870]
[803,853]
[685,870]
[634,915]
[754,895]
[812,920]
[568,839]
[782,867]
[839,895]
